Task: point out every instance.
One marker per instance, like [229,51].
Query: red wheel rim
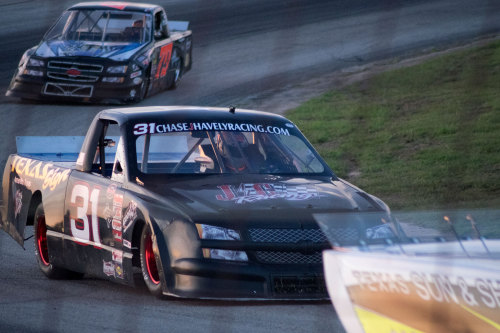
[150,260]
[41,240]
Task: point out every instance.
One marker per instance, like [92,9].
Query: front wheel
[149,266]
[42,250]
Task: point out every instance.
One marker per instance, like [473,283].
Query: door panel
[93,225]
[160,63]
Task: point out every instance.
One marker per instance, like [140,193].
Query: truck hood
[265,196]
[71,48]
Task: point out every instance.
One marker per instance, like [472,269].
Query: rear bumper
[218,279]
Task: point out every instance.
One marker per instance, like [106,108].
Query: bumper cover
[42,89]
[219,279]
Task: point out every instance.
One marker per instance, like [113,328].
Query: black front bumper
[44,89]
[206,278]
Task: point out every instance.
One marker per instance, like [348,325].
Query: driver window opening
[106,155]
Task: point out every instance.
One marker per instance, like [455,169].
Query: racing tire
[41,250]
[176,66]
[143,92]
[149,266]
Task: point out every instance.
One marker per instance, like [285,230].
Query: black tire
[143,91]
[41,250]
[176,68]
[149,265]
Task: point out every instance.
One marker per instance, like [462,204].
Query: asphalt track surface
[245,52]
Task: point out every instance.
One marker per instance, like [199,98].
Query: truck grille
[68,77]
[75,65]
[293,236]
[287,235]
[281,257]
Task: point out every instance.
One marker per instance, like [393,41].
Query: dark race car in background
[105,52]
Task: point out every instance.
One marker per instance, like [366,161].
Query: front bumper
[43,88]
[217,279]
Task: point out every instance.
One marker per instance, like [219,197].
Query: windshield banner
[380,293]
[73,48]
[153,128]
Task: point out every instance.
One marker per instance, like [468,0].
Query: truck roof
[119,5]
[187,113]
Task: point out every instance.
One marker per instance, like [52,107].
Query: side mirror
[158,34]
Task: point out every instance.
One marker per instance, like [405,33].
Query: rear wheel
[149,266]
[42,250]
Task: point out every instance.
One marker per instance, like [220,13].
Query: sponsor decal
[108,215]
[127,244]
[247,193]
[108,210]
[391,293]
[117,217]
[130,215]
[117,225]
[112,269]
[117,235]
[108,268]
[86,48]
[118,271]
[24,182]
[50,175]
[117,256]
[18,203]
[152,128]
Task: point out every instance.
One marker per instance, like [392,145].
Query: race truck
[196,202]
[112,52]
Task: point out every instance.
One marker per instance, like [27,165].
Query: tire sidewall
[49,270]
[155,288]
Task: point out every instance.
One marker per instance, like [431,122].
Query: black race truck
[199,202]
[115,52]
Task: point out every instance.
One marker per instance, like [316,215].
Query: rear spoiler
[178,25]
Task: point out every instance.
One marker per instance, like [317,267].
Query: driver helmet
[230,146]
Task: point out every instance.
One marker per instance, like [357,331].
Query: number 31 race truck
[196,202]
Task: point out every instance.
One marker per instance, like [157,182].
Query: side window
[106,151]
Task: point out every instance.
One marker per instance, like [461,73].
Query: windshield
[226,152]
[102,26]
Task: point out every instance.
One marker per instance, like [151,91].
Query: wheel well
[136,243]
[36,199]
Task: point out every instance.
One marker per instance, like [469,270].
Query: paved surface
[246,53]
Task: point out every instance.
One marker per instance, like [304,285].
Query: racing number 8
[80,227]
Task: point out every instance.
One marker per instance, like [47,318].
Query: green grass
[422,137]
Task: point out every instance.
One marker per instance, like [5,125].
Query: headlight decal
[117,69]
[218,233]
[36,62]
